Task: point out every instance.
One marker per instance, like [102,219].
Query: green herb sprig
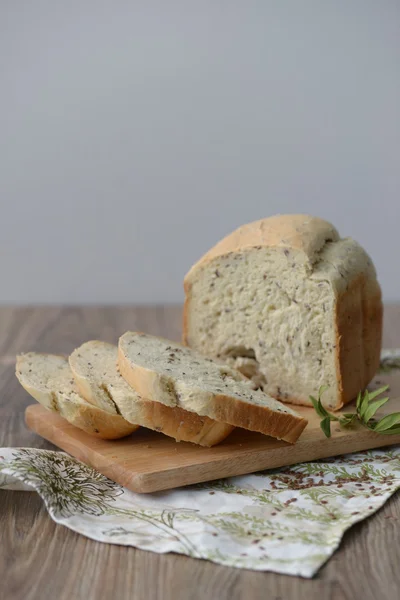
[366,406]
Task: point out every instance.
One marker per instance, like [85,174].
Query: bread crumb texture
[269,299]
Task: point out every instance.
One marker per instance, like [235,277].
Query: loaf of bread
[48,379]
[291,305]
[94,366]
[179,377]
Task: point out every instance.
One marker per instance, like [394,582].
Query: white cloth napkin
[289,520]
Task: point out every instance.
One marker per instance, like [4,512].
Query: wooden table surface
[41,560]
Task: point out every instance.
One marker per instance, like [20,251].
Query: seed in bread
[291,305]
[94,366]
[48,379]
[177,376]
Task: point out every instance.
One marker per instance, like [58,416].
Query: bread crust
[223,408]
[359,316]
[299,232]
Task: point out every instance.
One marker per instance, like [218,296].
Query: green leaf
[319,409]
[364,404]
[347,419]
[326,426]
[373,407]
[322,389]
[333,417]
[365,411]
[376,393]
[391,431]
[387,422]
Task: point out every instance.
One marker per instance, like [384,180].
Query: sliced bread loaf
[49,380]
[290,304]
[177,376]
[94,366]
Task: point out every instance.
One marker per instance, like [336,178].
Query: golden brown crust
[90,419]
[282,426]
[100,424]
[225,409]
[299,232]
[359,315]
[184,425]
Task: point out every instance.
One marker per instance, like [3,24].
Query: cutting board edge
[148,485]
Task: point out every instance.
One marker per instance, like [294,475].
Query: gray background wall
[135,134]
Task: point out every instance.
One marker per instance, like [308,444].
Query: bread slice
[49,380]
[94,366]
[290,304]
[177,376]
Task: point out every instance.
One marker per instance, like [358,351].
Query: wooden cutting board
[148,461]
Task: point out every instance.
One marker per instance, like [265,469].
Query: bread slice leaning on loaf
[94,366]
[291,305]
[177,376]
[48,379]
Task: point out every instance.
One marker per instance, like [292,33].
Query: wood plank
[148,461]
[39,559]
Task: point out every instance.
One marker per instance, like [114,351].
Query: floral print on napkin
[289,520]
